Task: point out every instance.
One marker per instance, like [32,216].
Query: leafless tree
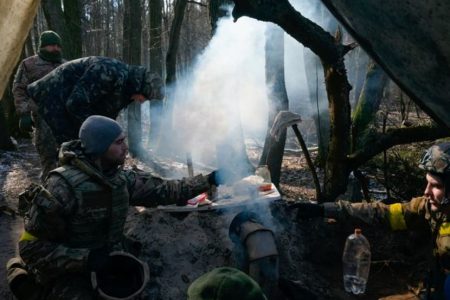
[132,26]
[272,154]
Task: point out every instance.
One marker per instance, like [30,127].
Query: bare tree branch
[399,136]
[347,48]
[281,12]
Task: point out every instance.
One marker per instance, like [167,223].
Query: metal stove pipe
[256,247]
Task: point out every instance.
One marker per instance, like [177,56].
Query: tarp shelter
[16,19]
[410,40]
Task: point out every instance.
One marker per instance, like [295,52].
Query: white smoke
[225,90]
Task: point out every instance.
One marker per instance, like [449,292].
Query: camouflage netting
[16,18]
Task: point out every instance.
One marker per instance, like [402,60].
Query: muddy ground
[181,247]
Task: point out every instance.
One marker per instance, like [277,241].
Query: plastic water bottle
[356,263]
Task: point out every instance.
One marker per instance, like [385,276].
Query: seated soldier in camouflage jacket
[78,219]
[431,211]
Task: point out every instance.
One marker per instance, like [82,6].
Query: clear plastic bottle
[356,263]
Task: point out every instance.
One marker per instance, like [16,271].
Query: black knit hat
[97,133]
[49,38]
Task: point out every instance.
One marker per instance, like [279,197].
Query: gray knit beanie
[97,133]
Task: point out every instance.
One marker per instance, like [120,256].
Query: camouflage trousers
[45,144]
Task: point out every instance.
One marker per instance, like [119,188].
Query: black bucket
[124,279]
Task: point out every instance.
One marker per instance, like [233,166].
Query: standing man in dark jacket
[31,69]
[430,211]
[90,86]
[78,218]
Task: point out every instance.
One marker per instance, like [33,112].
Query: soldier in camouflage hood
[90,86]
[428,212]
[31,69]
[77,219]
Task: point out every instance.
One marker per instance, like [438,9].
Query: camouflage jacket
[81,208]
[87,86]
[29,70]
[414,215]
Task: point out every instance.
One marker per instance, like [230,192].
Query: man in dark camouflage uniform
[31,69]
[431,211]
[90,86]
[78,218]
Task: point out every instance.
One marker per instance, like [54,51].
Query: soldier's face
[435,191]
[116,153]
[52,48]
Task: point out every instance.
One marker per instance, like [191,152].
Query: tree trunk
[337,169]
[368,104]
[66,23]
[361,64]
[72,17]
[132,54]
[156,65]
[171,68]
[29,51]
[217,10]
[174,41]
[316,87]
[272,154]
[319,102]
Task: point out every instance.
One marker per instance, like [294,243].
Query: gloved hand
[25,123]
[309,210]
[98,259]
[213,178]
[217,177]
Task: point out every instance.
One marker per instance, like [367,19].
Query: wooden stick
[309,161]
[189,164]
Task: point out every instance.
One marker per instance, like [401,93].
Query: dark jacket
[30,69]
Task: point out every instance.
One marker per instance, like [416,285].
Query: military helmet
[437,159]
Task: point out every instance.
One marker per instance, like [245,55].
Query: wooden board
[261,197]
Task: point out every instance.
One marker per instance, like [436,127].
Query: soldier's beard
[445,205]
[440,206]
[55,56]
